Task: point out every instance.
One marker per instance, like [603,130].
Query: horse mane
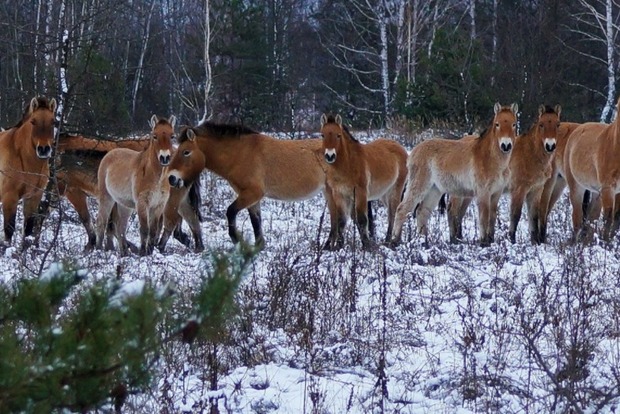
[548,110]
[332,119]
[217,130]
[42,102]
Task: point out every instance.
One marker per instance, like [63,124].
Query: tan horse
[555,185]
[359,173]
[78,159]
[257,166]
[530,168]
[131,180]
[591,163]
[24,169]
[184,169]
[471,167]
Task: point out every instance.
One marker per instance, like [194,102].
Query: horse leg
[544,205]
[244,200]
[517,196]
[334,216]
[457,207]
[608,198]
[425,210]
[9,211]
[361,217]
[190,215]
[576,194]
[255,219]
[493,214]
[532,201]
[106,204]
[31,205]
[79,202]
[484,217]
[120,228]
[392,202]
[371,222]
[418,184]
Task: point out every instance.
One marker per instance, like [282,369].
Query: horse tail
[585,203]
[442,204]
[195,199]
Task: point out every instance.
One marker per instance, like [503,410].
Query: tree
[68,346]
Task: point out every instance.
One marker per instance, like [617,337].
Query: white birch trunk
[472,16]
[608,110]
[207,59]
[385,77]
[145,42]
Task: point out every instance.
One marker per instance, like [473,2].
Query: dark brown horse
[359,173]
[257,166]
[24,169]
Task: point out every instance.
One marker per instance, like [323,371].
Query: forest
[277,65]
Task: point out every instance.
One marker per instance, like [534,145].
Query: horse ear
[53,105]
[323,120]
[191,135]
[172,120]
[541,110]
[558,109]
[514,108]
[339,120]
[153,121]
[497,107]
[34,104]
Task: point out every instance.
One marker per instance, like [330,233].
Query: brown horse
[471,167]
[359,173]
[24,169]
[184,169]
[131,180]
[530,168]
[556,183]
[591,164]
[257,166]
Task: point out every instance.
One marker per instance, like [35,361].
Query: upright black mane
[218,130]
[42,102]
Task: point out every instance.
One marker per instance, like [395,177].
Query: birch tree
[600,26]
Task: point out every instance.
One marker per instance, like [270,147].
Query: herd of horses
[159,182]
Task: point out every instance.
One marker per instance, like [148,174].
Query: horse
[471,167]
[530,168]
[78,159]
[24,169]
[359,173]
[131,180]
[184,169]
[257,166]
[591,164]
[556,183]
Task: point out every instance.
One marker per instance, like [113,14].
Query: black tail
[585,204]
[195,199]
[442,204]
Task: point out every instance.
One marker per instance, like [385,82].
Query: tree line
[277,65]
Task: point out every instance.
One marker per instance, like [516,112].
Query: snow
[428,327]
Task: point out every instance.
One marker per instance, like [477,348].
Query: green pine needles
[64,345]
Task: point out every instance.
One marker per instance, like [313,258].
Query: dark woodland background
[276,65]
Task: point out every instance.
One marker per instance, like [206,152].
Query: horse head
[162,132]
[505,126]
[332,134]
[188,161]
[548,124]
[40,114]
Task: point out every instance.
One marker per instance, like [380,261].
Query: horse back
[590,153]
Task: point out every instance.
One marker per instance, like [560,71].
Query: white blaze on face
[330,155]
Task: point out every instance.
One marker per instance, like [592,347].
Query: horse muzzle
[164,159]
[44,151]
[505,145]
[550,144]
[330,156]
[175,181]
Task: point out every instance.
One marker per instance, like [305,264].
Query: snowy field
[424,328]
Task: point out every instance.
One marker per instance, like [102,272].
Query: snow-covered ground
[424,328]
